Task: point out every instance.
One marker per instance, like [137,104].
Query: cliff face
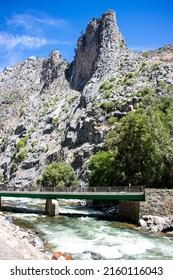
[97,51]
[52,110]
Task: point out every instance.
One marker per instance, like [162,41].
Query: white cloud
[29,34]
[10,41]
[33,23]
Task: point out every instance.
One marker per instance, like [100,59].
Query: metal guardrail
[117,189]
[83,190]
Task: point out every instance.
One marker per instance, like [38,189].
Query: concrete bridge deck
[132,196]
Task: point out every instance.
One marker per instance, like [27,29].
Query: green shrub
[112,79]
[107,95]
[112,120]
[129,83]
[55,120]
[70,100]
[127,80]
[22,155]
[107,106]
[59,175]
[130,75]
[1,178]
[106,85]
[122,43]
[146,91]
[4,140]
[161,84]
[21,112]
[34,143]
[143,67]
[22,142]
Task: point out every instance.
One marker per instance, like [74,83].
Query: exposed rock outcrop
[98,51]
[18,244]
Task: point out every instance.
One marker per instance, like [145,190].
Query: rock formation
[54,110]
[97,51]
[17,244]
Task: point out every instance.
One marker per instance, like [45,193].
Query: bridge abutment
[129,211]
[52,207]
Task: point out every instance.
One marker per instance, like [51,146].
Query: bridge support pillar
[129,211]
[52,207]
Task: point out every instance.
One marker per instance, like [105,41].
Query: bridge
[127,193]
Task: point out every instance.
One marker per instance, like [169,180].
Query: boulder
[156,223]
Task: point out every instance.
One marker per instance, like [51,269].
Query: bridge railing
[117,189]
[81,190]
[99,189]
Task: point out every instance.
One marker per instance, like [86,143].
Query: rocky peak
[53,67]
[98,50]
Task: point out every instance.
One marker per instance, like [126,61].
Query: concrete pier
[52,207]
[129,211]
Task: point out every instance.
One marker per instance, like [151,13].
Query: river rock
[156,223]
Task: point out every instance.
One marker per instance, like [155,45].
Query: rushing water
[87,237]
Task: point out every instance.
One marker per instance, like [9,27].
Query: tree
[59,175]
[104,170]
[140,140]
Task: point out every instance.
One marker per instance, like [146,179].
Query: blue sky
[36,27]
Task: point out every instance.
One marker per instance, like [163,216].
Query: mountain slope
[52,110]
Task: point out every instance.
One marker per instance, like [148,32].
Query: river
[87,237]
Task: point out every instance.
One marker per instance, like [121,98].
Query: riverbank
[17,244]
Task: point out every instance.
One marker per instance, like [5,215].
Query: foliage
[139,150]
[22,142]
[112,79]
[22,155]
[122,43]
[143,92]
[4,140]
[103,168]
[106,85]
[107,106]
[129,83]
[21,112]
[112,120]
[161,84]
[59,175]
[70,100]
[130,75]
[1,178]
[55,120]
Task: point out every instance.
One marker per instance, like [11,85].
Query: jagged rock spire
[97,50]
